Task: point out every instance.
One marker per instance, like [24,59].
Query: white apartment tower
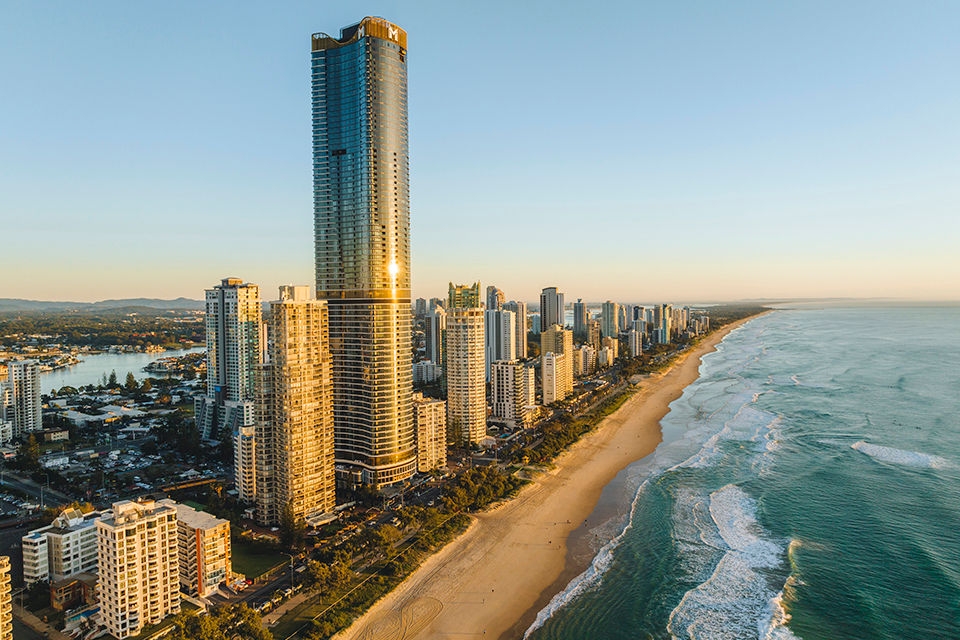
[635,341]
[430,417]
[519,310]
[513,391]
[23,380]
[203,552]
[138,565]
[500,342]
[466,387]
[558,340]
[234,348]
[552,367]
[295,431]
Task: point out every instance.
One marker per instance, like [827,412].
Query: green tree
[112,380]
[131,383]
[146,387]
[293,529]
[220,623]
[30,453]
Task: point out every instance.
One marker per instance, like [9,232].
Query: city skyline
[691,153]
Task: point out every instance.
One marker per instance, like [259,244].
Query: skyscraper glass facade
[362,242]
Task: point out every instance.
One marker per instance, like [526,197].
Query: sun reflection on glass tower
[362,235]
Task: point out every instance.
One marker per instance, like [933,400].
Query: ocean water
[808,486]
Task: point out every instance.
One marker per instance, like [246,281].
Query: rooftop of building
[198,519]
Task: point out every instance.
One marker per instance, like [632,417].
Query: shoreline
[496,576]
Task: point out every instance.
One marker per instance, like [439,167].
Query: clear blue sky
[639,151]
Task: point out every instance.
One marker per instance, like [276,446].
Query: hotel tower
[361,206]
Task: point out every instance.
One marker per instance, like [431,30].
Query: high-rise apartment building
[203,552]
[559,341]
[24,403]
[610,319]
[234,350]
[495,298]
[666,326]
[434,324]
[6,413]
[500,342]
[137,545]
[6,609]
[464,296]
[361,195]
[551,308]
[464,370]
[519,310]
[430,416]
[580,317]
[295,428]
[635,343]
[66,547]
[245,463]
[513,391]
[552,366]
[594,332]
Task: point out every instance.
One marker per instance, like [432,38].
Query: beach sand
[492,580]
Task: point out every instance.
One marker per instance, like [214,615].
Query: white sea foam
[592,576]
[699,428]
[735,601]
[900,456]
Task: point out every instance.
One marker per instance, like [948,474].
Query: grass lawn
[252,560]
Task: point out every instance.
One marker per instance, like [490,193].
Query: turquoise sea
[808,486]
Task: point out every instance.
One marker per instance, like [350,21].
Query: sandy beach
[491,581]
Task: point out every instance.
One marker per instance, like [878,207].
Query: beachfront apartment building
[556,339]
[466,386]
[361,209]
[65,548]
[139,568]
[203,551]
[552,366]
[430,417]
[513,392]
[295,420]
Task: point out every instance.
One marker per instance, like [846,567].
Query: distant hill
[180,304]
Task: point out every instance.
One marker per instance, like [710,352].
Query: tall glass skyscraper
[361,200]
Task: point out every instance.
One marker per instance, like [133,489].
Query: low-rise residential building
[63,549]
